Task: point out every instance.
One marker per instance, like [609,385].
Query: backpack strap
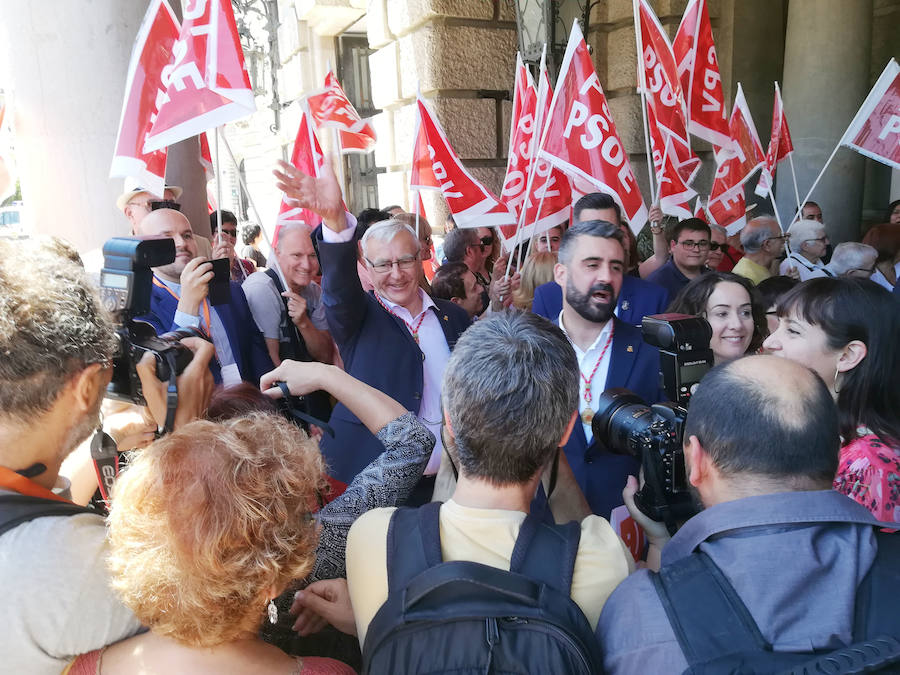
[719,625]
[546,553]
[16,509]
[876,606]
[413,543]
[298,344]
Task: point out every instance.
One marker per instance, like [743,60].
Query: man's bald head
[174,224]
[761,417]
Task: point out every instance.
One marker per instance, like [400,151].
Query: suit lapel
[624,350]
[450,334]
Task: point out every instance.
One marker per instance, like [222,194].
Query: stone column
[826,78]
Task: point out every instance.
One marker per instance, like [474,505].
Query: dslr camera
[654,434]
[125,285]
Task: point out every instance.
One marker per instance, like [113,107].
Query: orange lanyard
[11,480]
[208,331]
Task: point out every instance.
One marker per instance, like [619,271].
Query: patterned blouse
[869,473]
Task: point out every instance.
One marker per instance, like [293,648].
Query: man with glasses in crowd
[467,246]
[763,244]
[396,339]
[689,250]
[241,268]
[808,242]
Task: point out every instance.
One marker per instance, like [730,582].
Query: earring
[273,612]
[837,385]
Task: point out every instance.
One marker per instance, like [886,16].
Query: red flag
[151,53]
[307,157]
[206,158]
[780,145]
[875,130]
[580,137]
[436,167]
[521,135]
[728,208]
[673,193]
[746,153]
[699,211]
[695,54]
[206,81]
[330,107]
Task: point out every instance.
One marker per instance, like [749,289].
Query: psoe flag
[875,131]
[206,81]
[152,51]
[580,136]
[435,166]
[330,107]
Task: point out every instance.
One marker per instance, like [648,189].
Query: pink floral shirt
[869,473]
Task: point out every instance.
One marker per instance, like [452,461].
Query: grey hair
[803,230]
[718,228]
[287,229]
[456,242]
[590,228]
[758,230]
[851,255]
[385,231]
[509,391]
[52,326]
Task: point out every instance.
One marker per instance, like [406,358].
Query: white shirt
[586,361]
[435,350]
[806,269]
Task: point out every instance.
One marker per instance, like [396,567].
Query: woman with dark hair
[251,235]
[846,330]
[731,305]
[770,291]
[893,212]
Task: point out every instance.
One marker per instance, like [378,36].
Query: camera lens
[621,416]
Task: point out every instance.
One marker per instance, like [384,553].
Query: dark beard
[585,305]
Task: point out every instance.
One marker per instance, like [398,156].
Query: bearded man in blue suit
[611,353]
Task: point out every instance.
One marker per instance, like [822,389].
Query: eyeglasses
[487,241]
[780,236]
[822,239]
[405,263]
[157,204]
[868,271]
[688,244]
[715,246]
[230,233]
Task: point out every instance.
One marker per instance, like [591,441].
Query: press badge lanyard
[205,305]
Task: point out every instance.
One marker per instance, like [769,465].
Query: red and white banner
[780,146]
[699,211]
[698,68]
[435,166]
[875,130]
[674,194]
[152,51]
[307,156]
[727,204]
[206,80]
[206,158]
[521,134]
[330,107]
[580,137]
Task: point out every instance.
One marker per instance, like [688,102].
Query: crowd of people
[384,454]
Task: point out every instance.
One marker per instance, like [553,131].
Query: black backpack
[463,617]
[718,635]
[16,509]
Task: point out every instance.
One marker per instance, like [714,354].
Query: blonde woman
[537,270]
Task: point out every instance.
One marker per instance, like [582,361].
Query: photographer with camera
[787,568]
[182,297]
[57,345]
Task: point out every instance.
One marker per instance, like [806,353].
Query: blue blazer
[377,348]
[601,474]
[247,344]
[637,299]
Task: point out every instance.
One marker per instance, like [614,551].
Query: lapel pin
[446,318]
[625,305]
[629,348]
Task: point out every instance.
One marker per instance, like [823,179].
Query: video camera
[654,434]
[125,287]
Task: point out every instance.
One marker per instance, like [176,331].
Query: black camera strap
[291,406]
[171,392]
[105,454]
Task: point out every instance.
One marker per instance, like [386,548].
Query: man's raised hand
[321,195]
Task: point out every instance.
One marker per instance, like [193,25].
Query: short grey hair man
[501,366]
[385,231]
[457,242]
[852,259]
[757,232]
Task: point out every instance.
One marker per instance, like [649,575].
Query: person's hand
[131,428]
[321,195]
[296,306]
[657,533]
[301,377]
[323,602]
[222,248]
[195,278]
[195,384]
[655,215]
[793,273]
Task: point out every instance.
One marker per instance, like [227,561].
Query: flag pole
[538,215]
[642,83]
[821,173]
[794,176]
[659,182]
[418,197]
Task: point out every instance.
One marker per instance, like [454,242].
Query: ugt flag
[780,145]
[580,137]
[151,53]
[875,131]
[206,81]
[330,107]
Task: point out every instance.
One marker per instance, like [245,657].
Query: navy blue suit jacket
[637,299]
[601,474]
[247,344]
[377,348]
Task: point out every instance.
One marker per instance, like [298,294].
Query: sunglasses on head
[156,204]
